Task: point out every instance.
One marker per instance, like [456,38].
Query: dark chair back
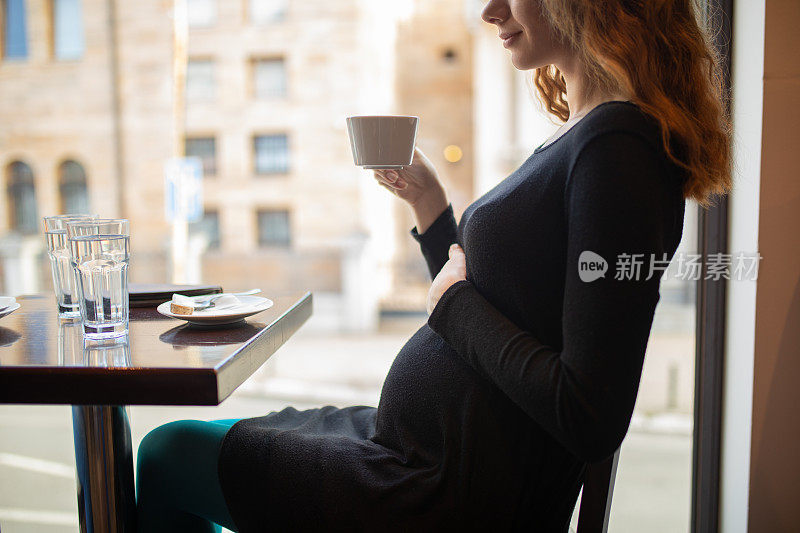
[598,488]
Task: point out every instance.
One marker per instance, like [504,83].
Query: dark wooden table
[163,361]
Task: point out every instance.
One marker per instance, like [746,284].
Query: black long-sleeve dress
[521,375]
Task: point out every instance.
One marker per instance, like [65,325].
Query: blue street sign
[183,193]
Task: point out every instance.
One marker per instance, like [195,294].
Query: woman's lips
[510,39]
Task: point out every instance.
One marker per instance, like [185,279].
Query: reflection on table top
[164,361]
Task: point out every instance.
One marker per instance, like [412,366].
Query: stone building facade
[112,111]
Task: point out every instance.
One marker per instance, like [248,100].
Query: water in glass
[64,283]
[101,261]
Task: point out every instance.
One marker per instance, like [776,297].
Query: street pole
[180,228]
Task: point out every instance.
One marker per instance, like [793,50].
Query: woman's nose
[495,11]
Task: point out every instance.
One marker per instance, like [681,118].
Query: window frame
[712,228]
[281,172]
[274,245]
[214,18]
[248,10]
[254,62]
[204,59]
[11,184]
[212,244]
[204,136]
[4,32]
[61,183]
[52,35]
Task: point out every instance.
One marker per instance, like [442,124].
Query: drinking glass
[99,254]
[64,284]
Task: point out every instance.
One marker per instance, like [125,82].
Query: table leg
[104,457]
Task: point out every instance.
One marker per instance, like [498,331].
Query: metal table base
[104,459]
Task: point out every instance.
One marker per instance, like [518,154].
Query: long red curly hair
[659,52]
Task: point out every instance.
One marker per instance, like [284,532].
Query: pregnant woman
[528,365]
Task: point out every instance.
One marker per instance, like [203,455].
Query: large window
[269,78]
[67,29]
[266,116]
[273,227]
[206,149]
[268,11]
[72,186]
[22,198]
[201,13]
[15,30]
[200,82]
[271,154]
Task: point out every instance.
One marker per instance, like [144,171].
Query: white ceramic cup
[382,141]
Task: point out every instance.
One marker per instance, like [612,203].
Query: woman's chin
[520,63]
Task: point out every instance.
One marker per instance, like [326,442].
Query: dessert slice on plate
[225,308]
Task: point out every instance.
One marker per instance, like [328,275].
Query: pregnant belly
[428,396]
[440,416]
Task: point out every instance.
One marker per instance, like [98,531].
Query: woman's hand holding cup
[412,183]
[417,184]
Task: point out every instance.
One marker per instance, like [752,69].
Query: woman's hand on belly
[454,270]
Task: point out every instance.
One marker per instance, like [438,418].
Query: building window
[269,78]
[200,80]
[67,29]
[206,149]
[208,226]
[272,154]
[72,186]
[268,11]
[273,228]
[22,198]
[15,31]
[201,13]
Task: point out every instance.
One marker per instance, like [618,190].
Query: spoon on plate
[210,302]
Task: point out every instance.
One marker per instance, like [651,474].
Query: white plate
[250,306]
[10,309]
